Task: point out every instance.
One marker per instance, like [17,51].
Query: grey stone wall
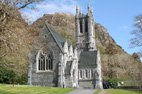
[68,81]
[44,78]
[86,83]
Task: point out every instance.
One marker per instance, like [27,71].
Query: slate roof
[60,40]
[88,59]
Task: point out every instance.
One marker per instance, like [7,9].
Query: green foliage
[119,91]
[21,79]
[102,50]
[6,76]
[23,89]
[113,82]
[1,73]
[9,75]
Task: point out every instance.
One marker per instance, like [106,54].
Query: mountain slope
[116,63]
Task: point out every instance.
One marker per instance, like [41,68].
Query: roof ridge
[54,37]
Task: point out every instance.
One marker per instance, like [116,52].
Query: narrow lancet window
[81,74]
[86,25]
[81,26]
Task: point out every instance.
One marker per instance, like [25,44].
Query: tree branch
[25,5]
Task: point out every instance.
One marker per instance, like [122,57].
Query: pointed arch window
[86,25]
[80,74]
[81,26]
[92,73]
[87,73]
[44,61]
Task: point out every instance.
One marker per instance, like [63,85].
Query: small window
[92,73]
[81,27]
[86,25]
[86,72]
[81,74]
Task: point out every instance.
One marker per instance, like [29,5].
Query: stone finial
[89,8]
[77,8]
[89,5]
[65,47]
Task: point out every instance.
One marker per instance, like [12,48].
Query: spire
[80,12]
[77,9]
[89,8]
[89,5]
[76,4]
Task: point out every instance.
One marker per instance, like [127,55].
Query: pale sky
[116,15]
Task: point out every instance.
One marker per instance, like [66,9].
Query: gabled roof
[88,59]
[57,37]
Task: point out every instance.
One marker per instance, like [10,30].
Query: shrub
[113,82]
[6,76]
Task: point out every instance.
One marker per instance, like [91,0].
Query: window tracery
[45,61]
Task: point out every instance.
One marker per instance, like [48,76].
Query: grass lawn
[119,91]
[21,89]
[97,92]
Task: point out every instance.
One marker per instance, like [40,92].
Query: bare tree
[136,41]
[19,3]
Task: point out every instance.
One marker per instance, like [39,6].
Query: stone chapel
[54,62]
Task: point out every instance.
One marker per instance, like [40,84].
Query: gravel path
[82,91]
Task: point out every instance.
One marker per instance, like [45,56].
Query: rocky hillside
[16,39]
[115,61]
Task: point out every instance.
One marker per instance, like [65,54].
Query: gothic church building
[54,62]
